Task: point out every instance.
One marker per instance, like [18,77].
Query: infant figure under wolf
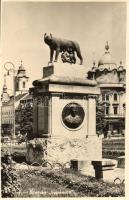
[68,56]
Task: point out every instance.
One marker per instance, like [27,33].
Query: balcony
[115,116]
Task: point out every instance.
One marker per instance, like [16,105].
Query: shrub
[86,185]
[10,184]
[83,185]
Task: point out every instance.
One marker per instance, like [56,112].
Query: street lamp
[12,69]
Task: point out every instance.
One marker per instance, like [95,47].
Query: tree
[26,120]
[101,124]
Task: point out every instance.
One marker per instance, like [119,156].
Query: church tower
[21,80]
[5,96]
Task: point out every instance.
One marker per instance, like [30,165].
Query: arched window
[24,84]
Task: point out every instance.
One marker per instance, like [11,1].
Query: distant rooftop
[27,97]
[17,98]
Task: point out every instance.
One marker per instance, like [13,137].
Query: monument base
[84,167]
[63,150]
[65,114]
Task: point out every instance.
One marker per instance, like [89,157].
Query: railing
[113,115]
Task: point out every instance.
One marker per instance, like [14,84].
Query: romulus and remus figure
[59,45]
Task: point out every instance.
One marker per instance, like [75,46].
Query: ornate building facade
[112,82]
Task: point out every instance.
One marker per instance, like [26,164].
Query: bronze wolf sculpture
[58,45]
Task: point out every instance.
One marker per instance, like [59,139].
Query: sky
[90,24]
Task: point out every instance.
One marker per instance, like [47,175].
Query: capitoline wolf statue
[62,45]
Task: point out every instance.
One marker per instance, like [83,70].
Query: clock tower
[21,80]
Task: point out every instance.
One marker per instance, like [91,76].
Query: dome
[106,60]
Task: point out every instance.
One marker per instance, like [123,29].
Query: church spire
[21,70]
[21,80]
[4,86]
[21,67]
[5,96]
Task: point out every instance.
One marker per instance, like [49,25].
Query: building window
[115,96]
[107,97]
[124,107]
[103,97]
[24,84]
[115,110]
[107,110]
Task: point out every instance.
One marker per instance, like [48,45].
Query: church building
[9,103]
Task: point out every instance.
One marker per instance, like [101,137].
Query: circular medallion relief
[73,115]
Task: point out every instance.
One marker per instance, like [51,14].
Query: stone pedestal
[65,149]
[65,113]
[103,165]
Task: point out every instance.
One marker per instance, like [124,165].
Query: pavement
[116,174]
[111,175]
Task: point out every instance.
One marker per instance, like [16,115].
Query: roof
[17,98]
[27,97]
[105,59]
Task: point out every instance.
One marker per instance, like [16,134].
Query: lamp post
[12,69]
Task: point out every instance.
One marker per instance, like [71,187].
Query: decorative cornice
[65,80]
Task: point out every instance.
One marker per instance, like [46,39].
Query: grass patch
[33,185]
[55,183]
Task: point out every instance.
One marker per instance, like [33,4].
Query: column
[50,115]
[94,143]
[91,115]
[111,108]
